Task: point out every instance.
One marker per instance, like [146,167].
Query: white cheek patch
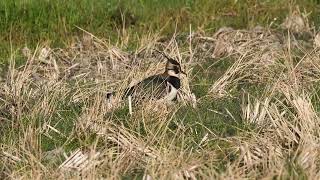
[172,73]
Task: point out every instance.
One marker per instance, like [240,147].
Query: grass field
[248,107]
[29,22]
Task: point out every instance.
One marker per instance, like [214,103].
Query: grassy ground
[256,111]
[28,22]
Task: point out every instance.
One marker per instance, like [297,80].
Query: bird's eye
[176,69]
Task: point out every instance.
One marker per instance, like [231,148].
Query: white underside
[172,94]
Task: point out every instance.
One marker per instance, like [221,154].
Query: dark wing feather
[151,87]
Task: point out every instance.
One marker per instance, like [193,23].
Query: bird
[164,86]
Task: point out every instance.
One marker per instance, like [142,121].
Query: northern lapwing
[163,86]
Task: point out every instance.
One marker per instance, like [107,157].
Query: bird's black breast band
[174,81]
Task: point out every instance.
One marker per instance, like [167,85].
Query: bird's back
[153,87]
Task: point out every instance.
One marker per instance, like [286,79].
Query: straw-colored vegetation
[248,106]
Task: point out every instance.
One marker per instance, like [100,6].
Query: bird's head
[173,68]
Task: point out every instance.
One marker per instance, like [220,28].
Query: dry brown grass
[284,142]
